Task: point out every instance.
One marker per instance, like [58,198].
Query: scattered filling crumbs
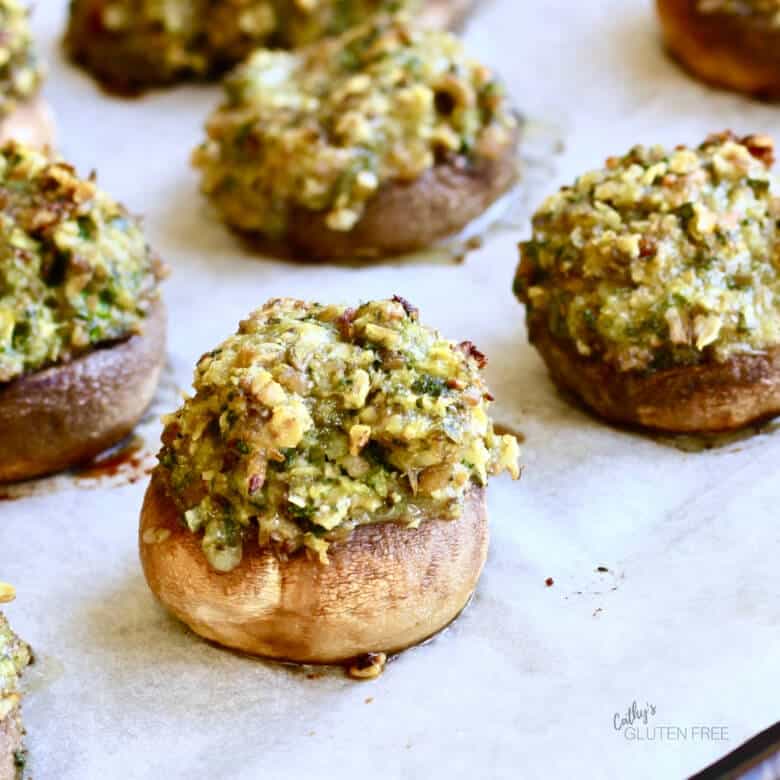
[75,269]
[20,72]
[661,258]
[315,419]
[160,42]
[324,128]
[368,666]
[549,582]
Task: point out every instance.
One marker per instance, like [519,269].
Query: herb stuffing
[662,257]
[315,419]
[324,128]
[75,269]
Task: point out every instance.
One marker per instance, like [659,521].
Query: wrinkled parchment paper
[681,629]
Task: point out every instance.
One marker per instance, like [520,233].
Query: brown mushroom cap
[68,413]
[386,588]
[408,216]
[730,51]
[31,123]
[706,398]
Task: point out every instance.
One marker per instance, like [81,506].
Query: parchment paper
[684,622]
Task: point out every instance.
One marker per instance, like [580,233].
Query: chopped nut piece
[368,666]
[434,478]
[288,424]
[381,335]
[359,436]
[411,310]
[762,147]
[678,332]
[706,330]
[361,384]
[469,348]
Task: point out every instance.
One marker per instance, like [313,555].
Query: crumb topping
[326,127]
[75,269]
[315,419]
[662,257]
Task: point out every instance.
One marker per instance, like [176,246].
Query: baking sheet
[681,631]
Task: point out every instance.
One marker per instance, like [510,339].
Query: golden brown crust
[67,414]
[739,53]
[705,398]
[11,735]
[31,123]
[408,216]
[388,587]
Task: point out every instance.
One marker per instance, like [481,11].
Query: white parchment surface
[685,621]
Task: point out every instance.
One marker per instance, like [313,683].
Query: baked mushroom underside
[709,397]
[386,588]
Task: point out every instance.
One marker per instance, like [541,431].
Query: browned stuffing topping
[315,419]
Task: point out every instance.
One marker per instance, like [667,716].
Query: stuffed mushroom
[375,143]
[322,494]
[130,45]
[727,43]
[82,326]
[652,286]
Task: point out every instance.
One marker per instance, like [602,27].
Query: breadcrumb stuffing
[662,257]
[359,428]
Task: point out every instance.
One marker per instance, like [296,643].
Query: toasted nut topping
[76,268]
[380,120]
[358,438]
[330,433]
[664,258]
